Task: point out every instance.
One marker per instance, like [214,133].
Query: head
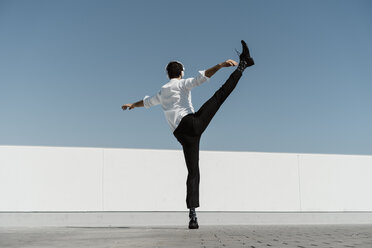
[175,69]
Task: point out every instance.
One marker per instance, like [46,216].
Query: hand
[229,63]
[129,105]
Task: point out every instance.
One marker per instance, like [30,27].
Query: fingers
[231,62]
[125,106]
[234,63]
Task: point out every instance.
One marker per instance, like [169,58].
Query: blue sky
[67,67]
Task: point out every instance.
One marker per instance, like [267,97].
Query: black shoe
[245,58]
[193,224]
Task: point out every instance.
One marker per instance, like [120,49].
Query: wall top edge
[179,150]
[201,211]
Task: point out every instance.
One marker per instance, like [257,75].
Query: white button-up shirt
[175,98]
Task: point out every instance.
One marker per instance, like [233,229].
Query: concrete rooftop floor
[284,236]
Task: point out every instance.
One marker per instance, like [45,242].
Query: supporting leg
[191,152]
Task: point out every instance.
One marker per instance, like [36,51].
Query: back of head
[174,69]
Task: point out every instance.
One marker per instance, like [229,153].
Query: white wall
[100,179]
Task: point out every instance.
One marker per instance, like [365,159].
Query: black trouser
[190,129]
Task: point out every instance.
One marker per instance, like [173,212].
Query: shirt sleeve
[190,83]
[152,101]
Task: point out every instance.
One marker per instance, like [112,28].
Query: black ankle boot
[193,224]
[245,58]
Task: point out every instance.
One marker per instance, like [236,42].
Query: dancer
[188,125]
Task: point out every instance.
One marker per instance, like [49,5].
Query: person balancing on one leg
[188,125]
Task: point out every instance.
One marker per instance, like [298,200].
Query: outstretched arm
[203,76]
[211,71]
[132,105]
[147,102]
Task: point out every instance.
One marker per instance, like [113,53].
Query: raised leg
[209,109]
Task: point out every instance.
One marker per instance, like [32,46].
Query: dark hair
[174,69]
